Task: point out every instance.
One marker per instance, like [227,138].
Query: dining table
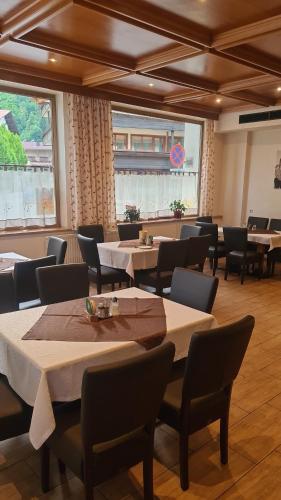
[8,260]
[42,370]
[262,237]
[130,255]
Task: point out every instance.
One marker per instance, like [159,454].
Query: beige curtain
[91,171]
[207,191]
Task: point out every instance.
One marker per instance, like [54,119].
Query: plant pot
[178,214]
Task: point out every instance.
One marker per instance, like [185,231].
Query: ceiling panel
[213,68]
[92,29]
[21,54]
[270,44]
[211,100]
[220,15]
[146,84]
[7,6]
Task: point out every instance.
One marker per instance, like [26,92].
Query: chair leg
[45,468]
[242,274]
[211,263]
[98,288]
[224,439]
[61,467]
[148,475]
[112,287]
[184,475]
[215,266]
[89,491]
[226,269]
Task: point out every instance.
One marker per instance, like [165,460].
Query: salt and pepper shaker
[115,307]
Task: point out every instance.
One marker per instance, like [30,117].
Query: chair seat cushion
[219,251]
[15,414]
[109,275]
[250,255]
[66,443]
[150,278]
[203,410]
[29,304]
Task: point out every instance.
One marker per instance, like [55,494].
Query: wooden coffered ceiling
[196,57]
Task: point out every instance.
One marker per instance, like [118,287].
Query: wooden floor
[254,470]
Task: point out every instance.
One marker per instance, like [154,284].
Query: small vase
[178,214]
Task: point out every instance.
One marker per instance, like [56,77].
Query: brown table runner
[6,263]
[137,244]
[140,320]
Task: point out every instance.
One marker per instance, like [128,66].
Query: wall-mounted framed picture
[277,172]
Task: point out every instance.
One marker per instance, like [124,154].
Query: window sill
[35,231]
[167,220]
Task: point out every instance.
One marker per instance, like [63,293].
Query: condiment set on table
[107,308]
[145,239]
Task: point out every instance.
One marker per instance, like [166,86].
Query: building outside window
[27,170]
[144,174]
[120,142]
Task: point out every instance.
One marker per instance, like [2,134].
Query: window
[148,143]
[150,181]
[27,183]
[120,142]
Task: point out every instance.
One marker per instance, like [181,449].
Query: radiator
[73,254]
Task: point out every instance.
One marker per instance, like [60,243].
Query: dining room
[140,249]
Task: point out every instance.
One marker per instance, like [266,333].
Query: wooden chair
[238,252]
[193,289]
[129,231]
[61,283]
[188,230]
[101,275]
[115,428]
[197,252]
[259,222]
[203,394]
[217,248]
[8,301]
[27,293]
[205,218]
[15,414]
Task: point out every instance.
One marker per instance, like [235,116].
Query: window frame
[153,137]
[114,134]
[55,163]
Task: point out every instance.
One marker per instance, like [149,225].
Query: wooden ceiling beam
[185,96]
[252,58]
[183,79]
[27,17]
[246,83]
[247,96]
[247,33]
[31,72]
[107,76]
[59,46]
[151,18]
[164,57]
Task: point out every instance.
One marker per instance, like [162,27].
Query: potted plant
[131,213]
[178,208]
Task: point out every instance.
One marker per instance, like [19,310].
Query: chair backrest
[211,229]
[171,254]
[127,394]
[129,231]
[275,224]
[188,230]
[62,282]
[259,222]
[205,218]
[235,238]
[193,289]
[89,251]
[92,231]
[57,246]
[214,358]
[25,277]
[7,293]
[198,250]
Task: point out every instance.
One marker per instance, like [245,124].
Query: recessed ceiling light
[218,99]
[151,84]
[278,89]
[52,59]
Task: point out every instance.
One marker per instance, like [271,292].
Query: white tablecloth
[11,255]
[45,371]
[272,240]
[129,259]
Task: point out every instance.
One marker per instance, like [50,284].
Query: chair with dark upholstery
[101,275]
[193,289]
[217,247]
[259,222]
[27,293]
[275,224]
[8,301]
[15,414]
[171,254]
[57,246]
[92,231]
[197,252]
[205,218]
[115,429]
[274,255]
[61,283]
[238,253]
[203,395]
[129,231]
[188,230]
